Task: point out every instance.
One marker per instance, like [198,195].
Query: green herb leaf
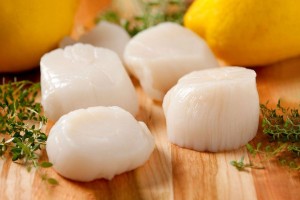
[250,148]
[52,181]
[46,164]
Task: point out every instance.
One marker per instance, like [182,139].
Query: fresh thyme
[110,16]
[282,124]
[154,12]
[282,127]
[21,123]
[242,166]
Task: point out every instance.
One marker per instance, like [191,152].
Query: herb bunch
[21,123]
[282,124]
[282,128]
[153,13]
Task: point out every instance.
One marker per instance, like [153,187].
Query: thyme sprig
[283,152]
[282,127]
[21,124]
[242,166]
[281,124]
[153,13]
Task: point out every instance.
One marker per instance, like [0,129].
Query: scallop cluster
[87,91]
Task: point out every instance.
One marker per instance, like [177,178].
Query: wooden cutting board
[173,172]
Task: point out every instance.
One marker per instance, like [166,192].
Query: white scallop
[98,142]
[213,109]
[160,55]
[104,34]
[107,35]
[82,76]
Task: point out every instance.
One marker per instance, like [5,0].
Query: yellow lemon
[30,28]
[248,32]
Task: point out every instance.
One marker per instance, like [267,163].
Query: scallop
[160,55]
[213,110]
[107,35]
[104,34]
[82,76]
[98,142]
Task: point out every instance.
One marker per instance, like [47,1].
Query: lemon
[30,28]
[248,32]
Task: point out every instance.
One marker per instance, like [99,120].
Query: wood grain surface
[173,172]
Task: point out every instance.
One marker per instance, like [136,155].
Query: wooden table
[173,172]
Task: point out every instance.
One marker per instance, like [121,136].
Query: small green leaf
[52,181]
[268,148]
[250,148]
[15,156]
[258,146]
[46,164]
[28,168]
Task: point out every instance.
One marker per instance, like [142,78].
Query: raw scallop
[104,34]
[98,142]
[82,76]
[160,55]
[213,110]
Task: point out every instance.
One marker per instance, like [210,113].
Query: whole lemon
[30,28]
[248,32]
